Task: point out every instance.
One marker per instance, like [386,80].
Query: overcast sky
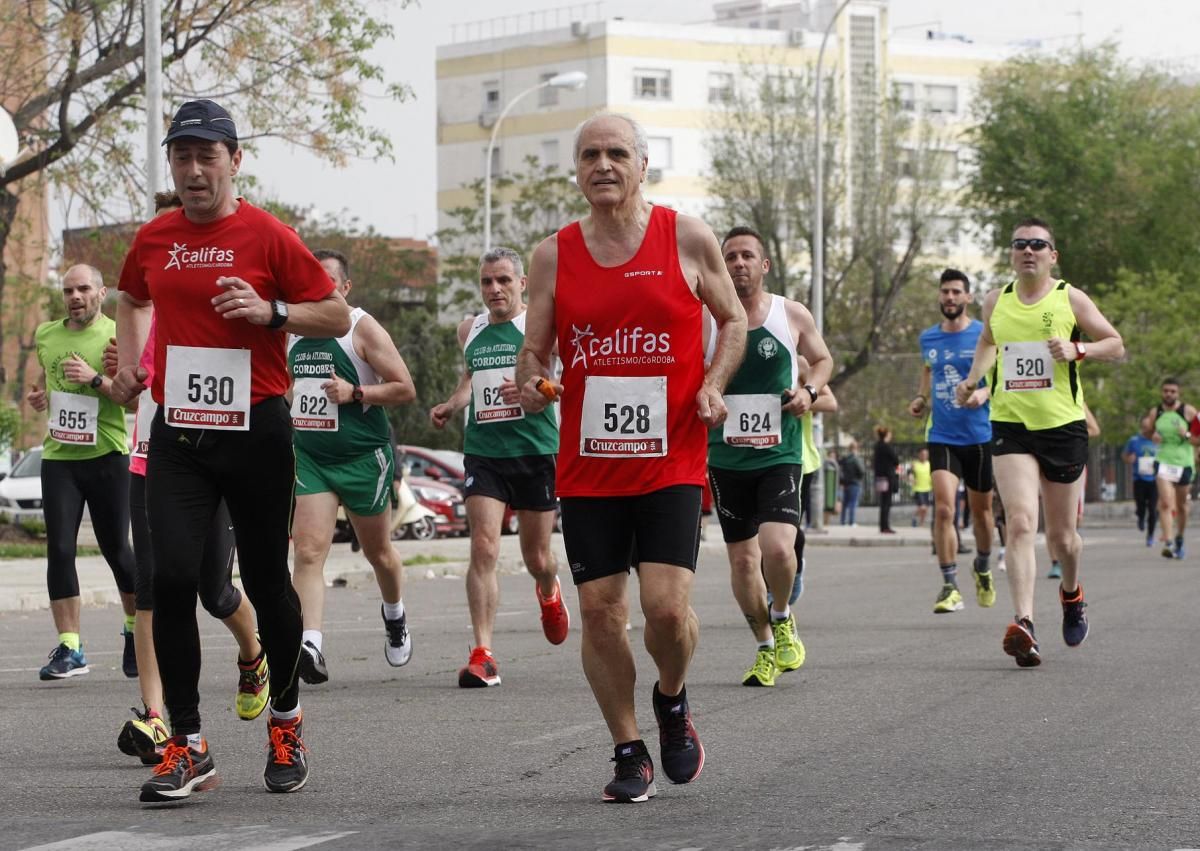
[399,198]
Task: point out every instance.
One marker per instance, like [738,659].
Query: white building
[672,78]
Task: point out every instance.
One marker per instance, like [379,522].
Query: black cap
[202,119]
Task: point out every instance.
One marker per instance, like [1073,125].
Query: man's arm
[812,348]
[826,402]
[1106,344]
[326,317]
[920,402]
[440,414]
[700,256]
[985,353]
[133,327]
[373,345]
[533,361]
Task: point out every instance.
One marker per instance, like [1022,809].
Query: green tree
[881,193]
[1102,150]
[72,74]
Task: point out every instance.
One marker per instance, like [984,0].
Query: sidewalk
[23,581]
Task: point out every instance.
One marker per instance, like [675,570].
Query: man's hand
[710,406]
[37,398]
[1062,350]
[110,357]
[128,383]
[337,390]
[240,301]
[796,401]
[978,397]
[917,406]
[77,370]
[439,415]
[963,391]
[535,397]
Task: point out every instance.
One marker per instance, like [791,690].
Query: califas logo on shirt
[622,346]
[181,257]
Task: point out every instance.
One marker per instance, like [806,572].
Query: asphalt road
[902,730]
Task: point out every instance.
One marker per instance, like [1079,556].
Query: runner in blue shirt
[1141,451]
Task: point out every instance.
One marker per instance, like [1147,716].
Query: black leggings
[103,484]
[217,593]
[188,472]
[1145,496]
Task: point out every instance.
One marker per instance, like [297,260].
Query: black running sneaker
[129,657]
[1021,643]
[1075,625]
[682,755]
[183,770]
[287,767]
[633,778]
[312,664]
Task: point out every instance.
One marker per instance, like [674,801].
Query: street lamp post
[817,298]
[152,35]
[567,80]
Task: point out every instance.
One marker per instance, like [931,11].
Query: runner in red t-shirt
[621,291]
[226,281]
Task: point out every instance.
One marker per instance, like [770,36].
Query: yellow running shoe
[789,649]
[763,671]
[949,600]
[254,687]
[144,736]
[985,589]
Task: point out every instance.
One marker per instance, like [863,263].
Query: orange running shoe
[481,670]
[556,620]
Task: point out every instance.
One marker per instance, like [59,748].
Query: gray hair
[499,253]
[640,146]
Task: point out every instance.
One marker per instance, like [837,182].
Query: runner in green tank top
[756,458]
[1170,423]
[1031,349]
[344,455]
[509,461]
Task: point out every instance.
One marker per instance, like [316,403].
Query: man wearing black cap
[226,280]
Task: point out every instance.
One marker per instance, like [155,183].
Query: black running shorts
[745,498]
[606,535]
[1061,452]
[972,463]
[525,482]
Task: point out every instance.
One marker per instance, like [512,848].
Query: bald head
[84,272]
[82,290]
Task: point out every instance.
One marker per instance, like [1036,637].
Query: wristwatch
[357,393]
[1080,351]
[96,382]
[279,313]
[812,391]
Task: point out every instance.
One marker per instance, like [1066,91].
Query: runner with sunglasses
[1030,349]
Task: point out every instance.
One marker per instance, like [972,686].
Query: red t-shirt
[638,321]
[175,263]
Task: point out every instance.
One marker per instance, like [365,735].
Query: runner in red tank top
[621,291]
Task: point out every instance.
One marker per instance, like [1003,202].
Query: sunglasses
[1035,244]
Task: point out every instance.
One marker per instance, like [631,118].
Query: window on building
[906,96]
[944,164]
[549,95]
[720,87]
[659,151]
[491,96]
[942,99]
[549,155]
[651,84]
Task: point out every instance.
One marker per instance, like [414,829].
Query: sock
[950,573]
[981,561]
[129,623]
[314,636]
[71,639]
[776,617]
[194,740]
[391,611]
[669,698]
[1179,540]
[768,644]
[286,714]
[1077,594]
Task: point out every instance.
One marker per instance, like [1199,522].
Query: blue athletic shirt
[1141,447]
[949,356]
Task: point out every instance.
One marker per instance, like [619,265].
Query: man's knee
[667,616]
[1020,524]
[943,512]
[309,552]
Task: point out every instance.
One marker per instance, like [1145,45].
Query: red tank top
[630,341]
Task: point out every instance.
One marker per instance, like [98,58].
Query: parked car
[446,466]
[444,501]
[21,490]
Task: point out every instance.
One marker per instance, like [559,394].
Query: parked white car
[21,490]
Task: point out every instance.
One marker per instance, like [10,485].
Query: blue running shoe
[1075,625]
[64,662]
[1179,550]
[1055,571]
